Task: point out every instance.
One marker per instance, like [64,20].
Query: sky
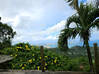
[39,22]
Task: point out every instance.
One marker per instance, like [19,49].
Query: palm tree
[66,34]
[85,20]
[74,4]
[63,40]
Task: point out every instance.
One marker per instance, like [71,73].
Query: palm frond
[95,24]
[73,3]
[93,15]
[72,19]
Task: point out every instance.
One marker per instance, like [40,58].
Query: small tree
[6,35]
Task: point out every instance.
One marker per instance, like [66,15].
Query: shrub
[27,56]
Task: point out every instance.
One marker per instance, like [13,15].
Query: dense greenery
[85,19]
[27,56]
[6,34]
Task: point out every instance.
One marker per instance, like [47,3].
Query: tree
[63,40]
[66,34]
[74,4]
[85,20]
[6,34]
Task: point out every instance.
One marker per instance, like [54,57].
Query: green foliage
[64,36]
[27,56]
[85,20]
[63,40]
[6,34]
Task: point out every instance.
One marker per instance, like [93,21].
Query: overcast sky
[38,21]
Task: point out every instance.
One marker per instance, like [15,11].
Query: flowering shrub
[28,57]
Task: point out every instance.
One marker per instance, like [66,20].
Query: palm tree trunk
[66,44]
[89,55]
[76,5]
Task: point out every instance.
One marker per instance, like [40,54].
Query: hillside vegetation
[27,57]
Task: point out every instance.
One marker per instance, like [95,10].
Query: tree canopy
[6,35]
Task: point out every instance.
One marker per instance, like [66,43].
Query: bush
[27,56]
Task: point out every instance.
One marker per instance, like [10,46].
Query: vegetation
[66,34]
[6,34]
[63,45]
[26,56]
[83,24]
[53,61]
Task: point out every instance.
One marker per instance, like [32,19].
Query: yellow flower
[11,55]
[46,56]
[44,68]
[45,64]
[19,47]
[20,65]
[55,61]
[24,64]
[32,54]
[15,55]
[30,61]
[27,48]
[33,59]
[23,68]
[38,68]
[40,57]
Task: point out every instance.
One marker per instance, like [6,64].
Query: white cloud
[91,2]
[37,21]
[56,28]
[95,34]
[49,34]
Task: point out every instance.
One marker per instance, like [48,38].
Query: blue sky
[38,22]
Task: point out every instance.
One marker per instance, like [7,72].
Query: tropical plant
[6,34]
[27,57]
[64,36]
[74,4]
[63,40]
[85,20]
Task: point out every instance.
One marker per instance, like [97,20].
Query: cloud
[91,2]
[37,21]
[94,35]
[56,28]
[50,33]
